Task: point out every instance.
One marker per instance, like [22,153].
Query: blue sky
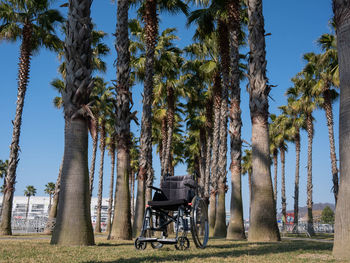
[294,27]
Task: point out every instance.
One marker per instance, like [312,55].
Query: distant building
[39,208]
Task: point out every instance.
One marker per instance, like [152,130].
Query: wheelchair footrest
[159,240]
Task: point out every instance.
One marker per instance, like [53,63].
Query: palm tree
[278,131]
[28,192]
[73,225]
[248,169]
[274,153]
[263,224]
[104,109]
[328,80]
[297,121]
[304,83]
[32,22]
[50,190]
[111,145]
[236,226]
[121,226]
[341,249]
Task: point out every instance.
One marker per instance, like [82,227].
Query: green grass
[218,250]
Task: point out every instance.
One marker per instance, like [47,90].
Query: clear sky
[295,27]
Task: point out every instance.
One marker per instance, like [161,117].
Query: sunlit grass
[218,250]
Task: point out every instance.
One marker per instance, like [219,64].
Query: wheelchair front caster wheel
[140,245]
[182,243]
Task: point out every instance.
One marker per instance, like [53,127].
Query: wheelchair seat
[174,191]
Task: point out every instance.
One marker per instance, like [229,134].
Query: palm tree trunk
[100,181]
[209,132]
[93,161]
[275,156]
[236,225]
[23,78]
[170,125]
[215,151]
[51,221]
[121,227]
[146,171]
[162,152]
[73,225]
[263,224]
[341,248]
[310,224]
[139,206]
[296,184]
[283,186]
[329,116]
[111,186]
[132,196]
[220,229]
[202,158]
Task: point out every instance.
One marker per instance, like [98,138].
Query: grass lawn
[37,249]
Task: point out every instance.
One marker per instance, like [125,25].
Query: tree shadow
[114,244]
[233,250]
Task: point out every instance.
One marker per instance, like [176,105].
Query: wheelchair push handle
[155,188]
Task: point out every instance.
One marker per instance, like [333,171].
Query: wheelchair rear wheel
[199,222]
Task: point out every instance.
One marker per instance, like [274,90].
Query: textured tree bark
[170,125]
[209,132]
[93,162]
[139,206]
[146,171]
[51,221]
[100,181]
[111,187]
[212,212]
[341,248]
[220,229]
[162,151]
[73,225]
[329,116]
[236,225]
[274,159]
[202,164]
[263,224]
[121,227]
[296,183]
[309,186]
[23,79]
[283,186]
[215,151]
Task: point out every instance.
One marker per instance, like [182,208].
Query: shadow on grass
[114,245]
[233,250]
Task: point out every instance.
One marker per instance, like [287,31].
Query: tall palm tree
[28,192]
[34,23]
[104,111]
[278,131]
[274,153]
[341,9]
[50,190]
[307,103]
[297,121]
[263,224]
[121,226]
[247,168]
[73,225]
[327,81]
[236,226]
[111,146]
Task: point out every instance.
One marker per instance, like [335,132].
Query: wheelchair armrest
[155,188]
[190,186]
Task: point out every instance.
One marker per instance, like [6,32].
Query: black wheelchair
[175,202]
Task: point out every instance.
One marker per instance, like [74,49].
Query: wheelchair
[174,202]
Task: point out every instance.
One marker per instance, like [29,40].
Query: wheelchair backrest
[179,187]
